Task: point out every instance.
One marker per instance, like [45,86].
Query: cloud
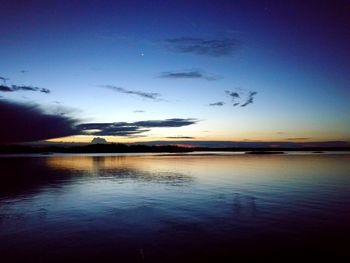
[238,96]
[27,122]
[111,129]
[13,88]
[219,103]
[175,122]
[194,74]
[131,128]
[234,97]
[4,79]
[146,95]
[203,46]
[180,137]
[139,111]
[232,94]
[250,99]
[4,88]
[298,139]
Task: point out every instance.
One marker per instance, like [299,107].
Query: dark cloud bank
[203,46]
[25,123]
[20,123]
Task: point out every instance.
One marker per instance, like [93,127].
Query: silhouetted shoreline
[124,148]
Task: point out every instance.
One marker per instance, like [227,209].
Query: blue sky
[290,57]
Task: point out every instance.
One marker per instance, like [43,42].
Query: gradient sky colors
[169,70]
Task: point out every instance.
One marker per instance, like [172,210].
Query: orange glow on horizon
[271,138]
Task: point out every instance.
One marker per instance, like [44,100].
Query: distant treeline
[125,148]
[92,148]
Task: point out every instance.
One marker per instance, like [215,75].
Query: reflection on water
[174,208]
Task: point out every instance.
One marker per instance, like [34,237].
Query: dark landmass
[135,148]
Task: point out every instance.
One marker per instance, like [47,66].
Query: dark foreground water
[174,208]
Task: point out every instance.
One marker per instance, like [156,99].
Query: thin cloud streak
[175,122]
[142,94]
[298,139]
[203,46]
[13,88]
[194,74]
[180,137]
[219,103]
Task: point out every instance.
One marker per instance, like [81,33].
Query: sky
[132,71]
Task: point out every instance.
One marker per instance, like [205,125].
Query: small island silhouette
[99,140]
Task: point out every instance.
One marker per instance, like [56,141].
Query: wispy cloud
[240,95]
[234,97]
[203,46]
[250,99]
[188,74]
[142,94]
[219,103]
[132,128]
[232,94]
[139,111]
[4,80]
[12,88]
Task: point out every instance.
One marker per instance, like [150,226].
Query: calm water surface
[174,208]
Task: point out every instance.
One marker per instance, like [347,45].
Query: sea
[192,207]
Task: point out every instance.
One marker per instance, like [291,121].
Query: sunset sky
[175,70]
